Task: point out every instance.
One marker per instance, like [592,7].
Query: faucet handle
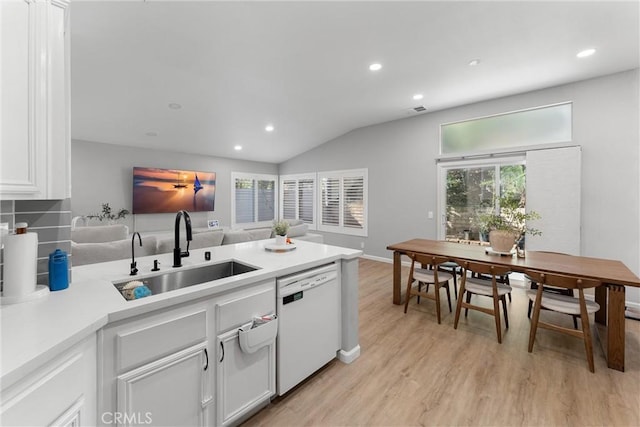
[134,269]
[156,263]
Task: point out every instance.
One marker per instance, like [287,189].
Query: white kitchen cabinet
[245,373]
[60,393]
[246,381]
[154,369]
[171,391]
[35,144]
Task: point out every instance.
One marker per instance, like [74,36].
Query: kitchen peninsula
[88,354]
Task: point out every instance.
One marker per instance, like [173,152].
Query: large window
[471,188]
[342,202]
[254,199]
[298,198]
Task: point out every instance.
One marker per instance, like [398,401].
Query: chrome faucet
[177,252]
[134,269]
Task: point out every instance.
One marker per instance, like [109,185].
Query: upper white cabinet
[35,143]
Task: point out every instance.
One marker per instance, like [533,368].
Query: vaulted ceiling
[205,76]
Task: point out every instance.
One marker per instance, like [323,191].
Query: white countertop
[35,331]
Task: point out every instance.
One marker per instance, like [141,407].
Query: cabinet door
[35,140]
[62,392]
[21,173]
[171,391]
[245,381]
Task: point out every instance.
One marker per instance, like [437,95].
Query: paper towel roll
[20,264]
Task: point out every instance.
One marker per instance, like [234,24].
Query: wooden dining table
[614,275]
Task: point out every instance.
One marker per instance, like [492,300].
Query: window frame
[297,178]
[255,178]
[341,228]
[443,167]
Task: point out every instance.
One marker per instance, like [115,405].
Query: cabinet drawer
[239,308]
[152,340]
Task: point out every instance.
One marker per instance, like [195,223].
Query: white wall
[400,156]
[102,173]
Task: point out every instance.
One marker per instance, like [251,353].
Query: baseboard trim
[385,260]
[349,356]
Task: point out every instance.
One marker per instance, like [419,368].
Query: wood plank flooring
[413,371]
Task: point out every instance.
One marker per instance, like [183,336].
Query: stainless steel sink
[172,280]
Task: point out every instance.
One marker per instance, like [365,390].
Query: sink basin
[172,280]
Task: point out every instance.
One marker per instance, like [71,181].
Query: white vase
[502,240]
[281,240]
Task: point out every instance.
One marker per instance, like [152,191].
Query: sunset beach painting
[171,190]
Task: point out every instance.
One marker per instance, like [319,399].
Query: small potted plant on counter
[280,229]
[508,227]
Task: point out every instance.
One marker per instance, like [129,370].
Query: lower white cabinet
[171,391]
[246,358]
[199,364]
[246,381]
[61,393]
[154,369]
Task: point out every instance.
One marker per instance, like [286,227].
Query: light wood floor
[413,371]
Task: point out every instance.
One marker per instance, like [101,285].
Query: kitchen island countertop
[36,331]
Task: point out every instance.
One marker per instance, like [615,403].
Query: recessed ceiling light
[375,66]
[474,62]
[418,96]
[585,53]
[151,133]
[238,147]
[269,128]
[175,106]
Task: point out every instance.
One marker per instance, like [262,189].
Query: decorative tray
[272,247]
[490,251]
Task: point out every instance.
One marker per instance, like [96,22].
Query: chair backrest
[481,268]
[433,260]
[563,281]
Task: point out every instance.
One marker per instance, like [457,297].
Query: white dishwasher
[310,319]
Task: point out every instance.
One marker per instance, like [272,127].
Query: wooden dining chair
[548,288]
[563,304]
[453,268]
[489,288]
[533,285]
[421,274]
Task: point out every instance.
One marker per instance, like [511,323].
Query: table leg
[601,299]
[397,277]
[615,327]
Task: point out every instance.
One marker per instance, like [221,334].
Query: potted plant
[509,226]
[108,215]
[280,229]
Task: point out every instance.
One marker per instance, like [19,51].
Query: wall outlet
[361,245]
[430,214]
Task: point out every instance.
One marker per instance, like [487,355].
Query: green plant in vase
[280,229]
[507,228]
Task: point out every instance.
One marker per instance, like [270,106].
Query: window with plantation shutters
[297,198]
[254,199]
[306,200]
[343,202]
[330,201]
[353,207]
